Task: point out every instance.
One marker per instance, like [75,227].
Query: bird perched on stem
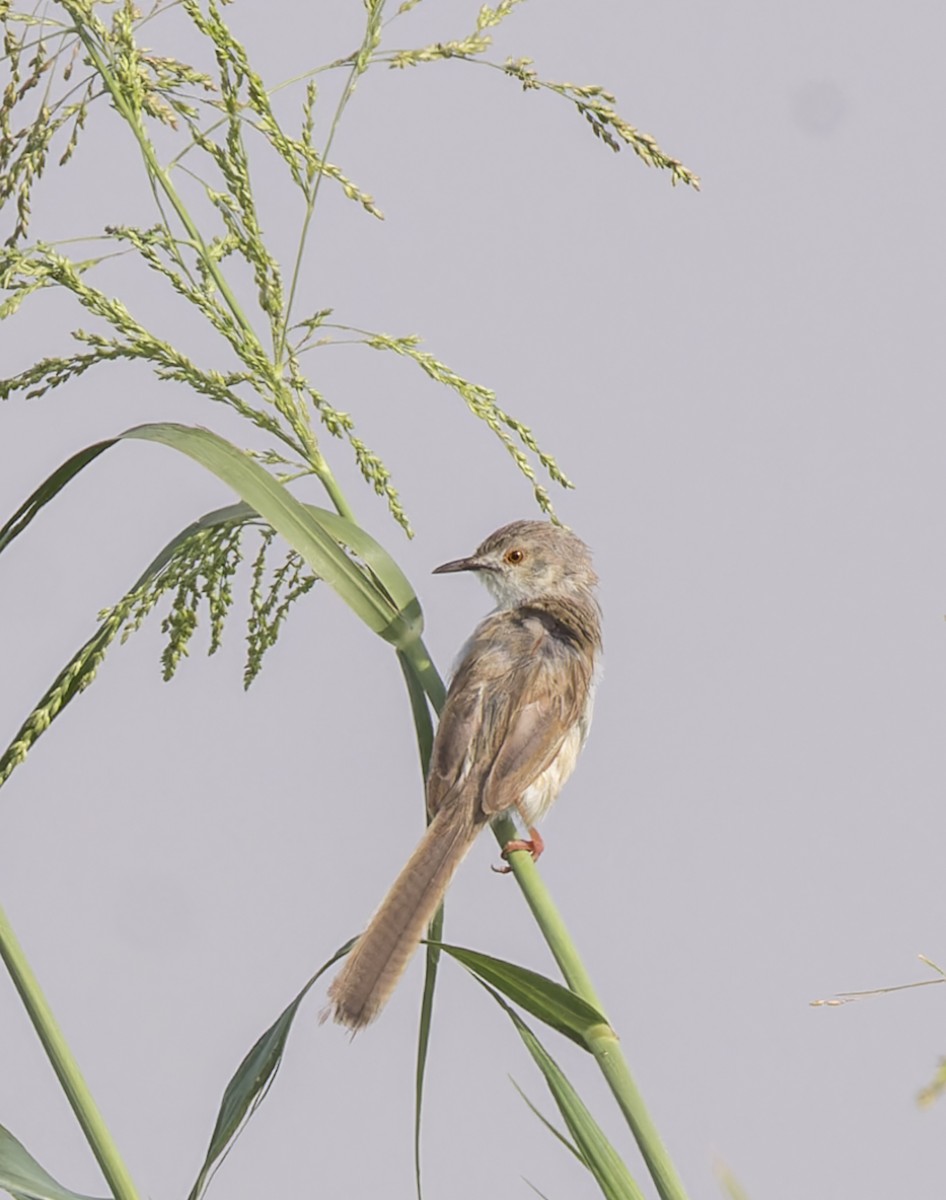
[515,719]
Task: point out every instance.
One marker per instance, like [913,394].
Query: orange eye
[514,556]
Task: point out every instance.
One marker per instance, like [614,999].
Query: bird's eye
[514,557]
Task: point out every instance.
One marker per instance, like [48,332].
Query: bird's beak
[461,564]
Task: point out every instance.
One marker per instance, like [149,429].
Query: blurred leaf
[251,1081]
[935,1088]
[597,1153]
[23,1177]
[558,1006]
[729,1183]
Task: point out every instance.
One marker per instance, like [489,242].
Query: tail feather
[379,957]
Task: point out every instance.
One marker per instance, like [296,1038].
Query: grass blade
[602,1160]
[22,1176]
[386,573]
[381,596]
[561,1009]
[424,729]
[431,965]
[48,489]
[393,612]
[65,1067]
[298,526]
[251,1081]
[556,1133]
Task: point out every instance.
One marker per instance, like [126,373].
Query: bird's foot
[534,844]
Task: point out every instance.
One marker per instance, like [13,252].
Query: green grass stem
[603,1042]
[65,1065]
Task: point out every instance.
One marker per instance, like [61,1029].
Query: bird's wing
[516,695]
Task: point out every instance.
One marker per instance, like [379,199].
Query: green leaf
[556,1133]
[392,581]
[23,1177]
[381,595]
[308,534]
[48,489]
[424,730]
[252,1080]
[431,965]
[562,1009]
[379,591]
[602,1160]
[529,1184]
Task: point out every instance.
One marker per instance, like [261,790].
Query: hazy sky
[747,386]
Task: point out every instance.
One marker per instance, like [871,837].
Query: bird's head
[527,560]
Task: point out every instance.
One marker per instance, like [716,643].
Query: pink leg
[535,845]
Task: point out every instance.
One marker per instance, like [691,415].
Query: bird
[516,716]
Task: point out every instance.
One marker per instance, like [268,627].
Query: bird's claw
[534,844]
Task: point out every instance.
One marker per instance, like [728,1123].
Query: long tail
[374,966]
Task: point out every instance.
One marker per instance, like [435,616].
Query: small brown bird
[516,716]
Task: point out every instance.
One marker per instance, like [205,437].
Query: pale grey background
[747,386]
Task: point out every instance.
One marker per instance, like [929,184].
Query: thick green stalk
[604,1043]
[65,1066]
[547,916]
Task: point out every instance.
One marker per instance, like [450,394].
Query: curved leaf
[385,570]
[561,1009]
[50,487]
[251,1081]
[556,1133]
[380,592]
[597,1153]
[297,525]
[382,597]
[22,1176]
